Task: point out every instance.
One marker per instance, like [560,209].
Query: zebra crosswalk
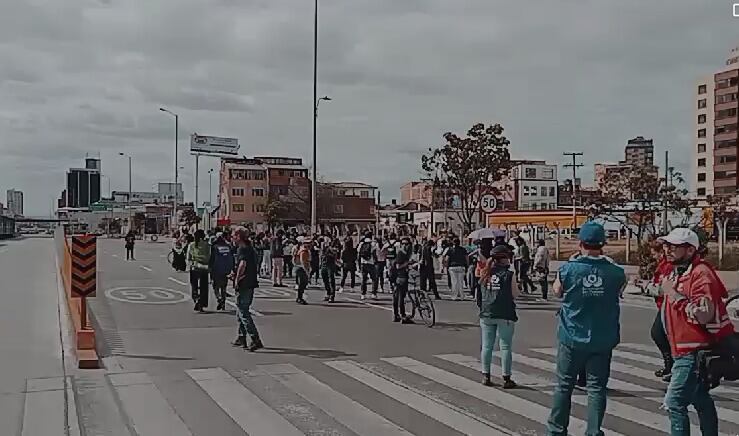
[439,394]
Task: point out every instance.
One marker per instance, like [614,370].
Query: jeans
[428,280]
[199,287]
[659,336]
[368,272]
[544,283]
[570,361]
[129,253]
[401,288]
[315,270]
[267,263]
[348,272]
[277,270]
[244,298]
[379,276]
[526,282]
[302,278]
[685,389]
[503,330]
[220,281]
[329,281]
[288,262]
[457,275]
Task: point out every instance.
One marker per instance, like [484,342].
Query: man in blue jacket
[588,328]
[222,264]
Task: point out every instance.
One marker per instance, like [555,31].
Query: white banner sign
[213,144]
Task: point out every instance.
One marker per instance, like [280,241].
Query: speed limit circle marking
[142,295]
[488,203]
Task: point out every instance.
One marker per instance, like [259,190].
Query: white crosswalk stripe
[289,400]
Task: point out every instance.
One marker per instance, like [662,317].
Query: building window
[701,148]
[525,191]
[725,190]
[544,206]
[261,208]
[543,191]
[702,119]
[530,173]
[552,191]
[702,103]
[338,209]
[701,162]
[724,175]
[534,206]
[701,177]
[727,143]
[257,192]
[701,191]
[547,173]
[237,192]
[701,133]
[237,207]
[726,128]
[552,206]
[726,159]
[237,174]
[726,113]
[701,89]
[364,194]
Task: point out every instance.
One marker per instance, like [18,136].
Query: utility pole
[574,165]
[667,185]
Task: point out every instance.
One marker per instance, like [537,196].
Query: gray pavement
[342,369]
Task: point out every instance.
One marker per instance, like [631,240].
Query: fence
[84,334]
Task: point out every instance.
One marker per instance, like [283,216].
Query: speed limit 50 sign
[488,203]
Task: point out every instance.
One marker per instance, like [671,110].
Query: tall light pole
[210,187]
[176,165]
[130,221]
[314,191]
[574,165]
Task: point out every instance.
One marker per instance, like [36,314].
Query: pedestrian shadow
[316,354]
[455,326]
[274,313]
[153,357]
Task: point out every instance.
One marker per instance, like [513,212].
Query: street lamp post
[314,191]
[176,165]
[210,188]
[128,202]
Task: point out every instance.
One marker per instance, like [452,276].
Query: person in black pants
[366,253]
[402,264]
[328,268]
[315,261]
[427,272]
[349,263]
[527,285]
[198,257]
[130,241]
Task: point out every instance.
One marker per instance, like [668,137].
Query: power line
[574,165]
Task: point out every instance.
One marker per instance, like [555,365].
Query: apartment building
[715,149]
[535,185]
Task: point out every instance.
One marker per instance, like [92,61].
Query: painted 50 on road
[146,295]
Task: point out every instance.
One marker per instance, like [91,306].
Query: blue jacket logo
[592,281]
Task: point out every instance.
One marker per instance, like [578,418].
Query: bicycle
[419,301]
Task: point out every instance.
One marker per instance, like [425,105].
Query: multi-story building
[715,149]
[535,185]
[639,152]
[421,191]
[347,206]
[83,185]
[168,190]
[15,202]
[584,195]
[289,183]
[243,191]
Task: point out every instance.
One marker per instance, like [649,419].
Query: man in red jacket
[695,318]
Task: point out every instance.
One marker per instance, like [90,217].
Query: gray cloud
[89,76]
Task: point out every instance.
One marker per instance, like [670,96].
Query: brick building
[346,207]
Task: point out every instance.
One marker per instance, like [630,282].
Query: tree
[274,211]
[468,166]
[190,217]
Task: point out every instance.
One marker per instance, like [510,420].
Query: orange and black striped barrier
[84,265]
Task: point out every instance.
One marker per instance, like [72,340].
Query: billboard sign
[213,144]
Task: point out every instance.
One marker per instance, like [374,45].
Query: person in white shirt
[516,252]
[541,266]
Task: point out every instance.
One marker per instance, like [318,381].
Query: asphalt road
[341,369]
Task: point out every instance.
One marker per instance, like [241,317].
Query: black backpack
[365,250]
[392,251]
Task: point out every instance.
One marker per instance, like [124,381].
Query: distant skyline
[89,77]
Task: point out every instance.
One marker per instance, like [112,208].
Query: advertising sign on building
[213,144]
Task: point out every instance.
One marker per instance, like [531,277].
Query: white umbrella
[486,233]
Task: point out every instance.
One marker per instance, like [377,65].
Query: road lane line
[450,415]
[252,414]
[179,282]
[146,407]
[353,300]
[43,413]
[520,406]
[253,311]
[114,255]
[355,416]
[656,421]
[145,268]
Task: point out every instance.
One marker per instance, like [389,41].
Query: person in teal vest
[588,330]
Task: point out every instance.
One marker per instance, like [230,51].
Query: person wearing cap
[695,319]
[246,280]
[221,265]
[302,261]
[588,330]
[496,301]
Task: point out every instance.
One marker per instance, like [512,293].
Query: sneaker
[302,301]
[666,378]
[326,298]
[662,372]
[331,300]
[486,380]
[396,319]
[256,344]
[407,321]
[341,290]
[374,296]
[239,342]
[508,383]
[362,297]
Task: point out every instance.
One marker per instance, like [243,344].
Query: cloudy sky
[88,76]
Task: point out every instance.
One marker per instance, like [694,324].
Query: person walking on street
[588,330]
[524,268]
[367,263]
[391,249]
[130,242]
[266,243]
[287,257]
[696,319]
[427,273]
[456,262]
[278,264]
[380,265]
[401,267]
[348,263]
[513,242]
[221,266]
[663,270]
[246,281]
[541,266]
[315,261]
[302,263]
[496,301]
[258,245]
[198,258]
[328,269]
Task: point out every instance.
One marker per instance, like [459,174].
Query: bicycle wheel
[426,309]
[170,257]
[410,304]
